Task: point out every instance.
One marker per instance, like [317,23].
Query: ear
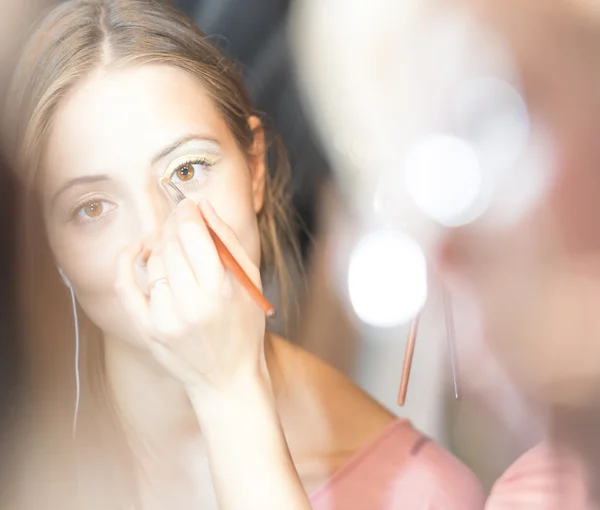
[257,161]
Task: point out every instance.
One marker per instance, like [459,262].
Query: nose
[152,210]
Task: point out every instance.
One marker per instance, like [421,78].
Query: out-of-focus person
[537,282]
[526,278]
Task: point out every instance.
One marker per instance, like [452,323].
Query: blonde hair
[75,39]
[79,36]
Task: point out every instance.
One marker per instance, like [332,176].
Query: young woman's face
[111,142]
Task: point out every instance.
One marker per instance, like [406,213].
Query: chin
[119,330]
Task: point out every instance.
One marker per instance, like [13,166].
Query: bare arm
[247,450]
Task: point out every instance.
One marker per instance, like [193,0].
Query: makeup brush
[410,349]
[227,258]
[408,357]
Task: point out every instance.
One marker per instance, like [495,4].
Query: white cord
[77,379]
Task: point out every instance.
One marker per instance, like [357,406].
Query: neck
[153,406]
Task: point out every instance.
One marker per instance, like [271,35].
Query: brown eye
[92,209]
[185,172]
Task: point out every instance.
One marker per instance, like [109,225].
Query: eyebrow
[93,179]
[182,141]
[85,179]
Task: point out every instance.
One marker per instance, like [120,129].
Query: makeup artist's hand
[201,324]
[206,330]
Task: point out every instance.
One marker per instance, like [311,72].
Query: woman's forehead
[119,118]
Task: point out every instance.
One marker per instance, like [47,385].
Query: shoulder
[544,477]
[403,469]
[386,463]
[312,383]
[449,483]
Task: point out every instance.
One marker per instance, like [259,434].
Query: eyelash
[194,181]
[74,214]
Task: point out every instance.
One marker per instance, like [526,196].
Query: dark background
[254,35]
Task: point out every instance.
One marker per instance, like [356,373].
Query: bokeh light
[387,278]
[443,177]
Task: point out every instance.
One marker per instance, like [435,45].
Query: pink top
[544,478]
[401,470]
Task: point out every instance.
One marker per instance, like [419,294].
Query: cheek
[232,200]
[240,217]
[89,260]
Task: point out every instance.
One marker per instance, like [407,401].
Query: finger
[199,247]
[165,323]
[146,251]
[186,295]
[229,238]
[133,298]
